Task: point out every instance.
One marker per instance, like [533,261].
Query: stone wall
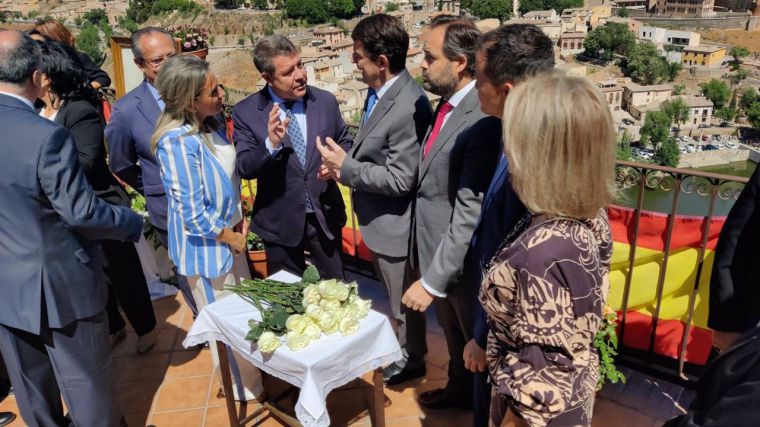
[712,158]
[723,21]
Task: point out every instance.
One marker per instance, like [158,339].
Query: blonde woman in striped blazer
[197,164]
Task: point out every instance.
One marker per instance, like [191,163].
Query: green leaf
[255,333]
[311,275]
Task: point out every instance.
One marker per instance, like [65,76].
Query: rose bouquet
[191,38]
[301,312]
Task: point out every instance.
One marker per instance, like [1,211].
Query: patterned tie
[371,101]
[299,146]
[442,111]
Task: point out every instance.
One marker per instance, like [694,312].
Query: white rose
[330,305]
[348,325]
[327,322]
[311,295]
[268,342]
[296,340]
[312,331]
[352,310]
[313,311]
[329,289]
[296,323]
[363,305]
[343,292]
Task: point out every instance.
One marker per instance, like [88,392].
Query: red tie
[442,111]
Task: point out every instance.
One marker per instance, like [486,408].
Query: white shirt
[454,101]
[299,113]
[224,152]
[20,98]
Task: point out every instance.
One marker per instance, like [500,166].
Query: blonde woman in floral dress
[544,292]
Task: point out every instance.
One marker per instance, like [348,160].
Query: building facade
[703,56]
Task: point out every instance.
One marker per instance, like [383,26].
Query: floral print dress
[544,294]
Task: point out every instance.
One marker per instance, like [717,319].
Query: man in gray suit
[458,159]
[53,329]
[381,168]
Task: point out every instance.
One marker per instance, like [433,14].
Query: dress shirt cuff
[430,290]
[272,151]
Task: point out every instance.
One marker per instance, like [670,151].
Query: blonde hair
[560,142]
[180,82]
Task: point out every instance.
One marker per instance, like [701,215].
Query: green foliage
[716,91]
[420,81]
[227,4]
[88,42]
[485,9]
[677,110]
[624,147]
[678,89]
[667,153]
[95,16]
[623,12]
[391,7]
[255,243]
[319,11]
[738,52]
[341,8]
[748,97]
[140,10]
[33,14]
[726,114]
[606,343]
[260,4]
[753,115]
[737,76]
[128,24]
[656,128]
[644,65]
[603,41]
[558,5]
[311,274]
[241,41]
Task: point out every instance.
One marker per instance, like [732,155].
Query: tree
[260,4]
[391,7]
[88,42]
[738,52]
[611,38]
[227,4]
[624,147]
[341,8]
[313,11]
[558,5]
[128,24]
[737,76]
[726,114]
[677,110]
[656,128]
[645,65]
[716,91]
[623,12]
[748,97]
[667,153]
[678,89]
[753,115]
[95,16]
[484,9]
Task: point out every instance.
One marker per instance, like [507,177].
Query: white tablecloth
[324,365]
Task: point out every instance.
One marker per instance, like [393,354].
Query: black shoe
[441,399]
[6,418]
[393,375]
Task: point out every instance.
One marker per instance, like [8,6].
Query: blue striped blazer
[200,204]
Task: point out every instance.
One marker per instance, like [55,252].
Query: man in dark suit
[506,57]
[382,166]
[133,120]
[457,162]
[53,329]
[276,132]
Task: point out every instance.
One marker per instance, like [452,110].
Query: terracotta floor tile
[168,317]
[188,418]
[182,393]
[135,398]
[607,413]
[438,352]
[169,302]
[217,417]
[9,405]
[436,373]
[190,363]
[143,368]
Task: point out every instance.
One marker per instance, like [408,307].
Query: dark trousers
[184,286]
[481,399]
[128,288]
[325,253]
[73,362]
[455,315]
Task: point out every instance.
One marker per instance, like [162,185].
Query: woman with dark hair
[71,102]
[53,30]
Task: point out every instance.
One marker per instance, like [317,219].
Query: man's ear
[461,64]
[506,87]
[383,63]
[267,77]
[37,78]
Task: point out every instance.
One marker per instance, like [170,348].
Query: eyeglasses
[156,62]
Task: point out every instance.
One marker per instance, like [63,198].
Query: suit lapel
[312,127]
[382,107]
[451,129]
[148,106]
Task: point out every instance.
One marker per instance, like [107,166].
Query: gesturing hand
[276,127]
[332,153]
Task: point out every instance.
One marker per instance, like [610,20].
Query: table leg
[378,402]
[229,398]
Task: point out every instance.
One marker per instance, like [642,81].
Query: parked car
[725,124]
[704,126]
[709,147]
[628,121]
[690,148]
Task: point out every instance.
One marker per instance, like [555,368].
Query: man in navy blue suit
[298,207]
[132,123]
[506,57]
[53,328]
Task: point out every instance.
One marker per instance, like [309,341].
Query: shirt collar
[460,94]
[277,99]
[384,88]
[20,98]
[153,91]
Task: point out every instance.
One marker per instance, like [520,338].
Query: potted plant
[606,343]
[193,40]
[257,257]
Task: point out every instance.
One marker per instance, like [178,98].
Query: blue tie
[371,101]
[299,146]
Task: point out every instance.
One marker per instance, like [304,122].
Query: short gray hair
[19,60]
[269,47]
[142,32]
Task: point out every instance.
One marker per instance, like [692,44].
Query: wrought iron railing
[715,192]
